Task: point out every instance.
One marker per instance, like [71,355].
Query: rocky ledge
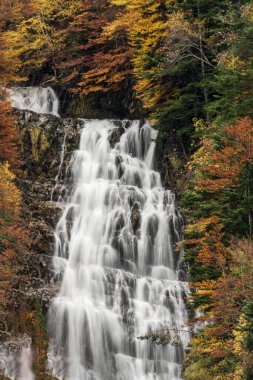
[47,143]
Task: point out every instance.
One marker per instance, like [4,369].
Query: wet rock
[135,217]
[43,192]
[182,276]
[120,167]
[152,227]
[41,139]
[116,133]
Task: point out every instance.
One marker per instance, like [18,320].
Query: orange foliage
[236,285]
[222,316]
[229,291]
[217,169]
[210,249]
[10,64]
[13,238]
[10,196]
[107,71]
[8,137]
[94,63]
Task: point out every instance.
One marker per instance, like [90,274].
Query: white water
[56,186]
[36,99]
[25,360]
[17,363]
[114,250]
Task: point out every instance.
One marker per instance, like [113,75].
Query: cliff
[43,141]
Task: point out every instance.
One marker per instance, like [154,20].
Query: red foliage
[221,167]
[94,63]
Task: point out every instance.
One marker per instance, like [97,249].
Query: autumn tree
[218,204]
[232,81]
[94,64]
[146,27]
[222,177]
[13,237]
[223,349]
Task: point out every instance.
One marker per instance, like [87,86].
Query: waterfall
[36,99]
[116,259]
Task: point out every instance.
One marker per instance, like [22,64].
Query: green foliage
[163,337]
[199,370]
[248,328]
[232,81]
[221,192]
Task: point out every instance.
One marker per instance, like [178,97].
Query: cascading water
[26,359]
[119,271]
[17,363]
[36,99]
[115,256]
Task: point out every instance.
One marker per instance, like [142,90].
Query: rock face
[171,160]
[47,143]
[42,138]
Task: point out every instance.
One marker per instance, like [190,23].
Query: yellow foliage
[240,335]
[45,7]
[202,225]
[146,27]
[30,39]
[10,196]
[233,62]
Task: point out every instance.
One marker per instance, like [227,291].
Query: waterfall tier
[17,362]
[36,99]
[115,254]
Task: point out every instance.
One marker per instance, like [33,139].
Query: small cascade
[16,360]
[36,99]
[56,186]
[116,258]
[25,360]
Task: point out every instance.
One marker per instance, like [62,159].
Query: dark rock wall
[42,185]
[171,159]
[41,141]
